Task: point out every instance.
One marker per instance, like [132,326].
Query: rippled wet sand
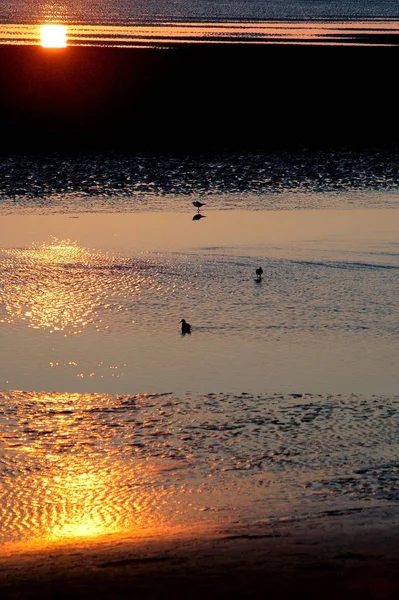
[78,467]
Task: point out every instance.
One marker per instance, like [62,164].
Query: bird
[198,217]
[198,204]
[185,327]
[259,272]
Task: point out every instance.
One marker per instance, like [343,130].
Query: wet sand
[341,556]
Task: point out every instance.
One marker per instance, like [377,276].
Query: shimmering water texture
[121,12]
[54,286]
[77,467]
[169,34]
[90,320]
[64,288]
[141,182]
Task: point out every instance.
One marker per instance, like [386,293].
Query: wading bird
[259,273]
[185,327]
[198,204]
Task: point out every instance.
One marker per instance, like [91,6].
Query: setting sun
[53,36]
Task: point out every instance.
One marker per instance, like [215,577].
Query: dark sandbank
[198,97]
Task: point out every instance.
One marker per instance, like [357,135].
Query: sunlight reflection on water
[323,318]
[54,285]
[167,33]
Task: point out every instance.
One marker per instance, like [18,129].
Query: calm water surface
[282,405]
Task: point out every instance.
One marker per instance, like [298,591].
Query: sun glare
[53,36]
[61,287]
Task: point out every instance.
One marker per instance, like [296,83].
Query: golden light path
[53,36]
[66,476]
[364,32]
[56,286]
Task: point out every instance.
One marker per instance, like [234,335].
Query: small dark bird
[198,217]
[185,327]
[198,204]
[259,272]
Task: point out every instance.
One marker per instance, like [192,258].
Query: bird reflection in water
[198,216]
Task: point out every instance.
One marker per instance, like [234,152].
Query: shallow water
[170,31]
[282,404]
[161,24]
[123,182]
[112,422]
[104,316]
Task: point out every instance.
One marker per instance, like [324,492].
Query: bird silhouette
[185,327]
[198,204]
[198,216]
[259,273]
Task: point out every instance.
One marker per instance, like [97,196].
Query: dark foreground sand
[339,558]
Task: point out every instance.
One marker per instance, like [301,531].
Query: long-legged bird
[198,204]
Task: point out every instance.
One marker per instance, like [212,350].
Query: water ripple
[143,182]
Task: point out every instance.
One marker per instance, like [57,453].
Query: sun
[53,36]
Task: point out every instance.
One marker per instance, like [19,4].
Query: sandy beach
[342,557]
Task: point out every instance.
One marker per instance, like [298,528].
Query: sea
[282,404]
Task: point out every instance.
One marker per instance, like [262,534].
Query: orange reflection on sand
[67,487]
[79,502]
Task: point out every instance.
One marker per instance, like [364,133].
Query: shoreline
[345,558]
